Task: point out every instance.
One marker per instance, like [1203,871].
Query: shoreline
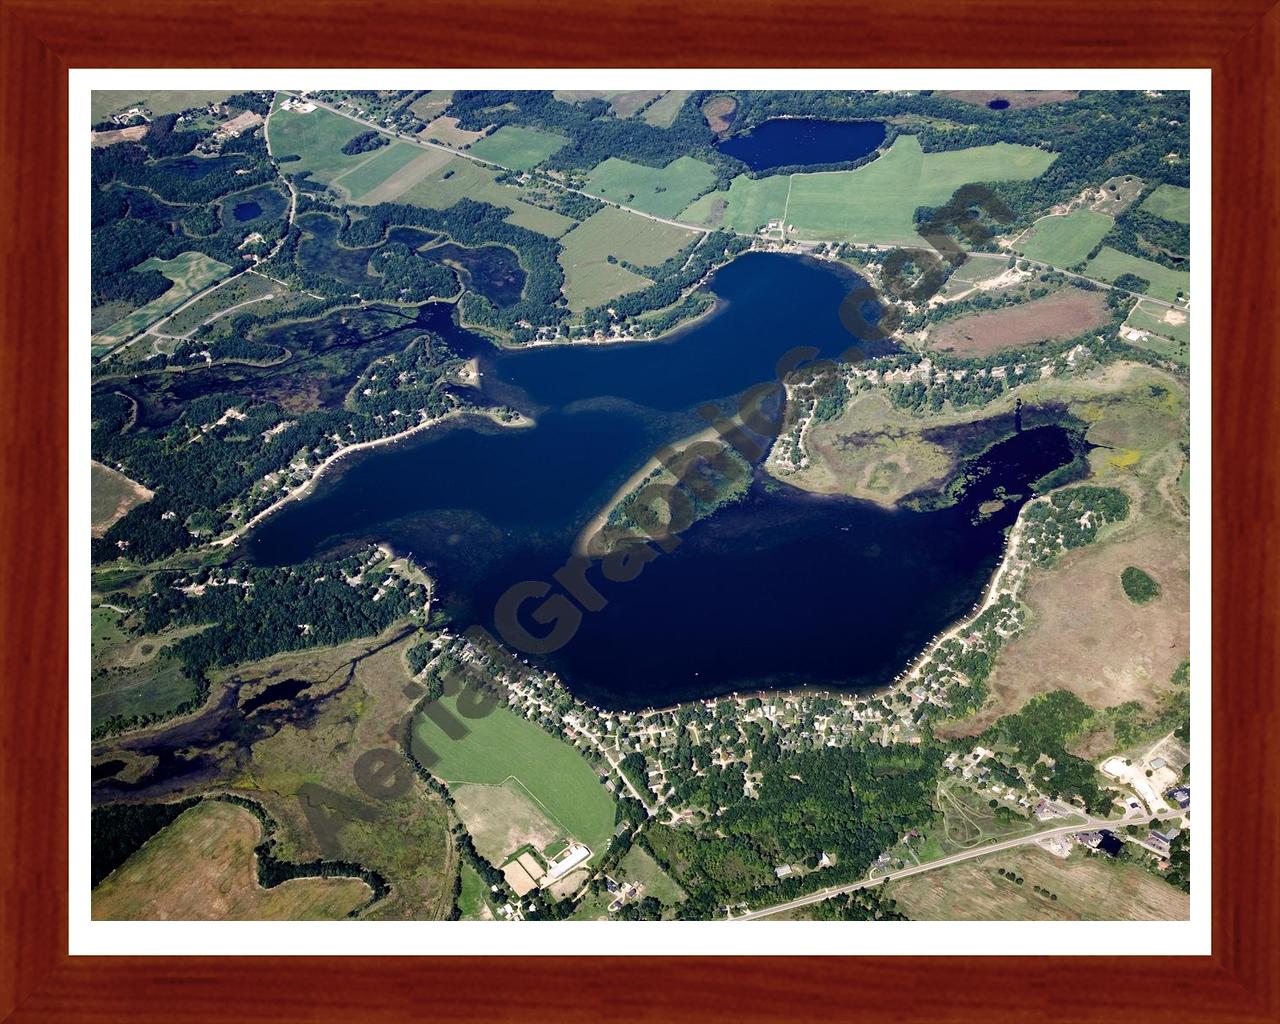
[305,488]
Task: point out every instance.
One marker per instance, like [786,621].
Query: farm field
[317,137]
[111,495]
[106,102]
[590,279]
[1172,202]
[202,867]
[1165,283]
[877,202]
[747,206]
[501,819]
[445,130]
[460,178]
[518,147]
[1087,889]
[157,687]
[661,113]
[1065,241]
[501,745]
[663,191]
[190,272]
[1065,314]
[873,203]
[380,172]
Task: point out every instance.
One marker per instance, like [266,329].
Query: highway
[1089,825]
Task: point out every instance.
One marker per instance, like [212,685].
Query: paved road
[955,858]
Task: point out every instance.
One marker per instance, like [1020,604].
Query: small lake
[782,588]
[791,141]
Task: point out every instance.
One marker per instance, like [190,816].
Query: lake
[782,588]
[791,141]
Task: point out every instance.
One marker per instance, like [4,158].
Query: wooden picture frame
[42,39]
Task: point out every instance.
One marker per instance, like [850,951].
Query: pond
[793,141]
[782,588]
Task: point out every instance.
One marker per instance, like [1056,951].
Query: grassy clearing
[662,112]
[1172,202]
[501,745]
[623,103]
[202,868]
[1065,241]
[445,130]
[638,866]
[1088,888]
[190,272]
[317,137]
[1169,330]
[244,288]
[105,102]
[661,191]
[111,495]
[460,178]
[432,104]
[747,206]
[518,147]
[1164,283]
[472,900]
[590,279]
[157,687]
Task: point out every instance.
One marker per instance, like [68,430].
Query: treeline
[1149,237]
[595,133]
[118,830]
[365,142]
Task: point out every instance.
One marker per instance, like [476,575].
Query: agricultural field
[1065,314]
[445,130]
[157,686]
[1172,202]
[1088,887]
[387,172]
[460,178]
[202,867]
[747,206]
[504,818]
[661,191]
[317,137]
[662,112]
[1170,285]
[518,147]
[190,272]
[1065,241]
[873,203]
[590,279]
[106,102]
[111,495]
[502,745]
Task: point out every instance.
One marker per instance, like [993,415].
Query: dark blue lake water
[782,588]
[790,141]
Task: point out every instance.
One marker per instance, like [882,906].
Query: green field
[245,288]
[1165,283]
[471,900]
[501,744]
[1172,202]
[590,279]
[1170,340]
[377,167]
[747,206]
[639,866]
[662,112]
[661,191]
[155,687]
[518,147]
[317,137]
[875,202]
[1065,241]
[461,178]
[190,272]
[106,102]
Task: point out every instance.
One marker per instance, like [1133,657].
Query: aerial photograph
[670,505]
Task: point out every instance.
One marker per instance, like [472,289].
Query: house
[782,870]
[1181,796]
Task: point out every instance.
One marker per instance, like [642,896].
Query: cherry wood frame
[41,39]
